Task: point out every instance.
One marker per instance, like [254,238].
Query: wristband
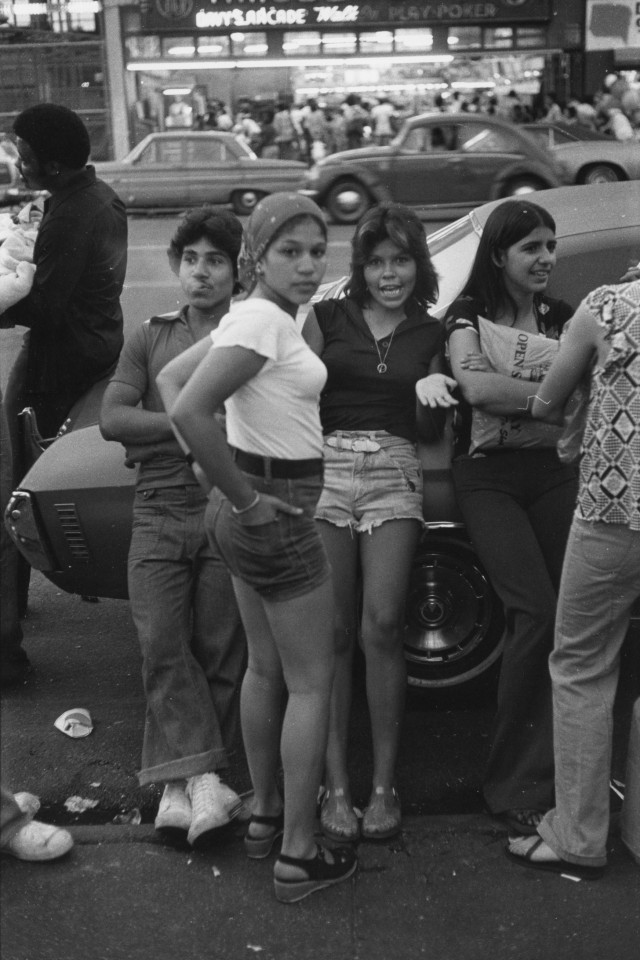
[250,506]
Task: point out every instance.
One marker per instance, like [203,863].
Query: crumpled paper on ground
[75,723]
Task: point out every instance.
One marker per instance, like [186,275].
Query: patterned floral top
[610,462]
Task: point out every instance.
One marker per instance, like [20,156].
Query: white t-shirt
[276,413]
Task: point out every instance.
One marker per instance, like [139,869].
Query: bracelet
[246,509]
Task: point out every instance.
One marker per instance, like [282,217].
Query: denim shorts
[282,559]
[363,490]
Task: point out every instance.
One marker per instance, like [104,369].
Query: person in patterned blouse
[600,582]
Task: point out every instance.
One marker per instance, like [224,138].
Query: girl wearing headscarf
[270,476]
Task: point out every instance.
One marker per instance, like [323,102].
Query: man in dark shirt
[73,310]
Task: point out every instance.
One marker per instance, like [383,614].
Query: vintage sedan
[188,168]
[587,156]
[442,164]
[71,516]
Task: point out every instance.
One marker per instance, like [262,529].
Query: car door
[156,177]
[213,165]
[484,151]
[421,173]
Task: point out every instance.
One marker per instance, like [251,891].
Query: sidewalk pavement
[443,890]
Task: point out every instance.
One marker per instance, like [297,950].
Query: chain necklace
[382,366]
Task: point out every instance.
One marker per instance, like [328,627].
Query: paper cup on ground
[75,723]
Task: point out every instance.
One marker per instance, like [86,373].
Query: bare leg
[300,634]
[386,556]
[342,549]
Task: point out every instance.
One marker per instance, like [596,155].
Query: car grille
[73,532]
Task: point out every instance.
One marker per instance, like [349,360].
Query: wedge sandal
[320,873]
[257,848]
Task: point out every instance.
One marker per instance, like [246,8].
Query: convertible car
[71,515]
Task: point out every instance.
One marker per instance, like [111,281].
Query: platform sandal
[257,848]
[320,873]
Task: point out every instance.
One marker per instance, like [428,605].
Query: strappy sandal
[383,817]
[520,853]
[320,873]
[338,820]
[257,848]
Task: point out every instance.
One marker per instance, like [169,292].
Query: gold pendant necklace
[382,366]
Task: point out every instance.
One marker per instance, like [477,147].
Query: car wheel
[601,173]
[346,201]
[520,186]
[244,201]
[455,622]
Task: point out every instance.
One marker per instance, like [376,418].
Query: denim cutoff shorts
[363,490]
[282,559]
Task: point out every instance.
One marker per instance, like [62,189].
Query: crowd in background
[309,130]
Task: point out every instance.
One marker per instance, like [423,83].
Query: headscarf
[267,218]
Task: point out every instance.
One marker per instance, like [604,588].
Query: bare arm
[494,393]
[173,377]
[313,334]
[143,433]
[582,341]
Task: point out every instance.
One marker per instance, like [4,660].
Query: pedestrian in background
[379,345]
[600,582]
[182,601]
[516,497]
[270,382]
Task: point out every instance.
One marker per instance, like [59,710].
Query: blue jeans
[600,582]
[518,508]
[191,637]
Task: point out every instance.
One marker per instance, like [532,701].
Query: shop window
[376,41]
[531,37]
[180,48]
[143,48]
[474,139]
[214,47]
[249,44]
[415,40]
[464,38]
[338,44]
[301,44]
[498,38]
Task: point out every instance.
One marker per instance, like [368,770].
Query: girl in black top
[380,347]
[516,497]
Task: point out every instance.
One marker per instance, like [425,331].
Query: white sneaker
[174,812]
[28,803]
[213,804]
[38,841]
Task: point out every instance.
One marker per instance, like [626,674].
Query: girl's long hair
[392,221]
[507,224]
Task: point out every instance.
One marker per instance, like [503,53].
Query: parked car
[587,156]
[71,515]
[445,164]
[189,168]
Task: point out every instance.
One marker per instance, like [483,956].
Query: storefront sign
[169,15]
[612,25]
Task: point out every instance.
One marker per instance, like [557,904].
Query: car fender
[522,168]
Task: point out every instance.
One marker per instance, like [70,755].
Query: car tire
[601,173]
[454,620]
[346,201]
[520,186]
[245,201]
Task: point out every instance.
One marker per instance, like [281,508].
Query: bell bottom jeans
[191,637]
[600,582]
[518,508]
